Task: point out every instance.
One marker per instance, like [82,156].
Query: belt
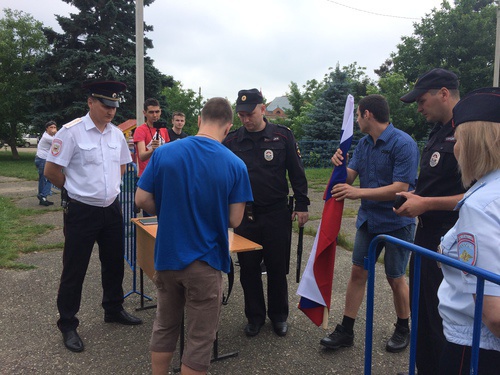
[270,208]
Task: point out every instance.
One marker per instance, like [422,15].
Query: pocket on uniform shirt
[89,153]
[114,151]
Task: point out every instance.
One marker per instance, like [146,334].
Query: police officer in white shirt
[475,237]
[87,159]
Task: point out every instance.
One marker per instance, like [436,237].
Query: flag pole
[325,318]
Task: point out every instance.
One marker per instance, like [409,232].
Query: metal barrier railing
[480,273]
[127,199]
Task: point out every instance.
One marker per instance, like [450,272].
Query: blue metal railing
[480,273]
[127,199]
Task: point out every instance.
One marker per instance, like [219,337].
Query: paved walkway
[31,344]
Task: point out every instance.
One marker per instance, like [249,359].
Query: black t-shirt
[174,136]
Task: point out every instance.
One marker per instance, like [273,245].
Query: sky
[223,46]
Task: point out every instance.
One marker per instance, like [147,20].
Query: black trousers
[455,360]
[83,226]
[272,231]
[430,337]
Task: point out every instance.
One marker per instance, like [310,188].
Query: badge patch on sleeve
[467,248]
[56,147]
[298,150]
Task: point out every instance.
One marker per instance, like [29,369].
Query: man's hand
[345,191]
[337,158]
[155,143]
[302,217]
[414,205]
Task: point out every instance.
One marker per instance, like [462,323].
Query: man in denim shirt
[386,161]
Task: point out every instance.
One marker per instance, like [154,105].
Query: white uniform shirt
[475,239]
[43,147]
[91,160]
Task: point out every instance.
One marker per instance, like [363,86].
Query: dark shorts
[395,257]
[198,289]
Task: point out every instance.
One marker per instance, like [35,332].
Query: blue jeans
[44,185]
[395,257]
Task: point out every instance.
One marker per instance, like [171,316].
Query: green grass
[16,230]
[23,168]
[317,178]
[17,233]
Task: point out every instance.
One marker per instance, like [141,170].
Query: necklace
[208,136]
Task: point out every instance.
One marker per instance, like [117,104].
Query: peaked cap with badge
[248,100]
[433,79]
[478,105]
[107,92]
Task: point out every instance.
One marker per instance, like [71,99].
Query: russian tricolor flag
[315,288]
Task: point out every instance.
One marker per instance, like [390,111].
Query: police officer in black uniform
[438,190]
[269,151]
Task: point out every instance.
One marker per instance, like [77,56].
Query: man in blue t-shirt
[386,161]
[198,189]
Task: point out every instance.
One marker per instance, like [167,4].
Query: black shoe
[44,202]
[280,328]
[252,329]
[72,341]
[122,317]
[399,340]
[338,339]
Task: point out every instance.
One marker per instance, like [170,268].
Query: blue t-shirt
[194,180]
[393,158]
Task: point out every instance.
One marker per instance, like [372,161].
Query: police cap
[478,105]
[106,92]
[248,100]
[433,79]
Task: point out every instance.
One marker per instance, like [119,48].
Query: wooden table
[146,236]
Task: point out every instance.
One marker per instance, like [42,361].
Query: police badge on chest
[435,159]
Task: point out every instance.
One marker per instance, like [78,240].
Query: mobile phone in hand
[398,202]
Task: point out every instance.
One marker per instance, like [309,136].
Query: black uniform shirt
[439,175]
[268,155]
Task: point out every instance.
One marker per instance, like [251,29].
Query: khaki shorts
[198,289]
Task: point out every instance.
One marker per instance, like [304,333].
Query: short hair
[454,93]
[479,149]
[49,123]
[180,114]
[151,102]
[377,105]
[217,110]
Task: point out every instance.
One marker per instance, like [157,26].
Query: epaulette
[284,127]
[72,123]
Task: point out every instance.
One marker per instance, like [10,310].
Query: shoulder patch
[72,123]
[467,248]
[284,127]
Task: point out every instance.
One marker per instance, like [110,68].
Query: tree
[461,39]
[328,111]
[187,101]
[21,42]
[301,102]
[96,43]
[405,117]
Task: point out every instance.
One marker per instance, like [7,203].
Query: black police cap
[478,105]
[433,79]
[248,100]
